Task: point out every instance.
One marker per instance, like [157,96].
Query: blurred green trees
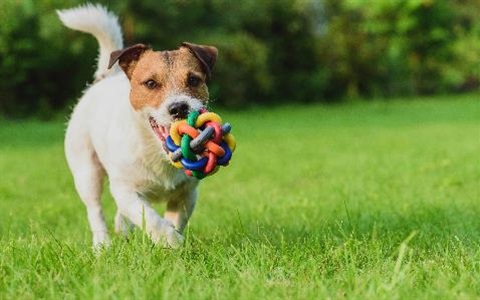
[271,51]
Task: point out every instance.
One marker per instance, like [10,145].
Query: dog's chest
[157,178]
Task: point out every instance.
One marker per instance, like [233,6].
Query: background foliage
[271,51]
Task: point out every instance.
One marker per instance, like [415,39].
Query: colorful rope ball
[200,144]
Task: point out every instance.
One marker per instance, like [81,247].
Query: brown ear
[207,55]
[127,58]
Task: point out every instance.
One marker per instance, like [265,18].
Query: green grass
[368,200]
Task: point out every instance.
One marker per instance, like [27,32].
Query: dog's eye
[151,84]
[193,81]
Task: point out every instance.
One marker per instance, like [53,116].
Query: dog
[119,126]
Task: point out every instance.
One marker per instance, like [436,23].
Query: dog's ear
[127,58]
[207,55]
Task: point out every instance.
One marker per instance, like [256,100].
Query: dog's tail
[103,25]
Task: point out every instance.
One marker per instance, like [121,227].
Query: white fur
[105,136]
[100,23]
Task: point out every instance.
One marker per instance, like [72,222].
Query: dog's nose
[179,110]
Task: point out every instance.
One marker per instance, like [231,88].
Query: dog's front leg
[139,212]
[180,209]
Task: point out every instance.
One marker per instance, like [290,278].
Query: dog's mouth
[161,132]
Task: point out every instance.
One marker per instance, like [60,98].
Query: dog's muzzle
[175,108]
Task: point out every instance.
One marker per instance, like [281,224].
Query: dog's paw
[101,241]
[175,239]
[123,226]
[168,237]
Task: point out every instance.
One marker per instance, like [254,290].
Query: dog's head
[166,85]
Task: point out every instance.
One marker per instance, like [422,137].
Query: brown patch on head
[156,75]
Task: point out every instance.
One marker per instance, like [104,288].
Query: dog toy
[200,144]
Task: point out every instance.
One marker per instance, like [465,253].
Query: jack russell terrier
[119,126]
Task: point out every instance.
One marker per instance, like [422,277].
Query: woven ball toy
[200,144]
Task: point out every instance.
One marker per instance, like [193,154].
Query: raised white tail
[103,25]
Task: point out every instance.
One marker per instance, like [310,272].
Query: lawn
[366,200]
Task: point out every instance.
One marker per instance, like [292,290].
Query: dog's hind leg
[88,175]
